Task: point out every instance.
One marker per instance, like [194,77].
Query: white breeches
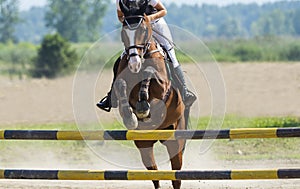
[164,37]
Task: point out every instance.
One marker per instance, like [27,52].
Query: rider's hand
[150,18]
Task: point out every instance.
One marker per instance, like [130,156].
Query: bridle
[133,27]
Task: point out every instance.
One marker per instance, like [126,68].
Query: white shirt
[153,3]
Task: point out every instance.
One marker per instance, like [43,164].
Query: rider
[155,12]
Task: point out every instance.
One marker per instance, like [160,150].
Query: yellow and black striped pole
[150,175]
[244,133]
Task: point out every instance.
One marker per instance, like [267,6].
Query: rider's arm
[120,16]
[161,11]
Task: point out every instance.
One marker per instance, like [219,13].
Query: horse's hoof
[142,109]
[132,123]
[129,119]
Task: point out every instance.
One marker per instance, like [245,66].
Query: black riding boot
[188,97]
[110,101]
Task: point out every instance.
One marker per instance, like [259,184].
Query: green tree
[33,27]
[76,20]
[55,58]
[9,17]
[292,53]
[296,21]
[275,22]
[230,28]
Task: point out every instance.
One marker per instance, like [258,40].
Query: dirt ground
[262,89]
[257,89]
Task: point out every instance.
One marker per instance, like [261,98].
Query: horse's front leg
[129,118]
[147,154]
[143,106]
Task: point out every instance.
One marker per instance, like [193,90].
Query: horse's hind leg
[175,148]
[147,154]
[129,118]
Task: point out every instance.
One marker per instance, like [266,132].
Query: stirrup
[102,107]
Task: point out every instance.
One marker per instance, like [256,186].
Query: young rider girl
[161,32]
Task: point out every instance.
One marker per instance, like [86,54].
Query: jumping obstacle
[150,175]
[149,135]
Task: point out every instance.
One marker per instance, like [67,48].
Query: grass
[18,152]
[248,149]
[255,149]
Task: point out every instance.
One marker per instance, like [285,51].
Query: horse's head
[136,34]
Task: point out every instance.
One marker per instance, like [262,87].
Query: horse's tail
[186,117]
[186,123]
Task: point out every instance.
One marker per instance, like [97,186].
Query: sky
[26,4]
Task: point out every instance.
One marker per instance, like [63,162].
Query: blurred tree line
[206,21]
[9,17]
[238,20]
[236,32]
[84,20]
[75,20]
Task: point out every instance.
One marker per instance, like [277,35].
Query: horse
[147,99]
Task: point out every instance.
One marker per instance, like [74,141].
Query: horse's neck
[157,59]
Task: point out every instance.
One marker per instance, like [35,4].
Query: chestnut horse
[147,100]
